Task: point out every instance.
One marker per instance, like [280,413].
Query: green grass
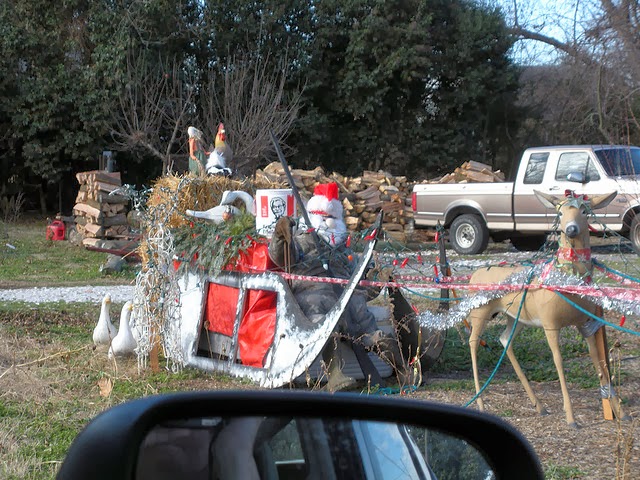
[530,348]
[557,472]
[49,384]
[27,258]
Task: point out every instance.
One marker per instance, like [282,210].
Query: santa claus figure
[297,251]
[326,214]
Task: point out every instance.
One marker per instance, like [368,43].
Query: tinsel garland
[553,278]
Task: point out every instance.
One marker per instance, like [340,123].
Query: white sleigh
[294,353]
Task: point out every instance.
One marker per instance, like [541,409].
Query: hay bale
[175,194]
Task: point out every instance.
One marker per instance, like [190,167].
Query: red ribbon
[569,254]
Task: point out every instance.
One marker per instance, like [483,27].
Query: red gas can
[55,230]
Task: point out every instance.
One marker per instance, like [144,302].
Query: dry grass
[50,388]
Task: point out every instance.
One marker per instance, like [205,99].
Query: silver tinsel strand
[555,278]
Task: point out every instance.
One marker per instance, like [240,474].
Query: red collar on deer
[571,194]
[569,254]
[575,199]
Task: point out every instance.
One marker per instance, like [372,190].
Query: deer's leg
[553,339]
[606,388]
[477,320]
[504,338]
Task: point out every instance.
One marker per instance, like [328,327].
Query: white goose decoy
[123,344]
[217,214]
[230,196]
[104,331]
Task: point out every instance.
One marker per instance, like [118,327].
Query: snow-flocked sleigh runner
[250,325]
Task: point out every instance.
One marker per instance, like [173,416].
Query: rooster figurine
[220,156]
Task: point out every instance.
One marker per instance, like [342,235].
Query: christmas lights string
[156,318]
[211,248]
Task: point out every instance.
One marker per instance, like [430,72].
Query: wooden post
[603,353]
[443,268]
[154,354]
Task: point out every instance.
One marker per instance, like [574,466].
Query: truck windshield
[620,162]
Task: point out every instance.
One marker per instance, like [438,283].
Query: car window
[285,454]
[388,451]
[535,168]
[447,456]
[579,162]
[620,161]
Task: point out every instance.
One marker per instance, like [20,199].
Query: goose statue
[230,196]
[104,331]
[216,214]
[225,210]
[123,344]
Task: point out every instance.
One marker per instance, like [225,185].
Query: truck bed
[440,202]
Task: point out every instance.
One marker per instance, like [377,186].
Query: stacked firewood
[362,197]
[98,214]
[471,172]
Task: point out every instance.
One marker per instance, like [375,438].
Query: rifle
[296,194]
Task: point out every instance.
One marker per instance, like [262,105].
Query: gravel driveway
[86,294]
[606,253]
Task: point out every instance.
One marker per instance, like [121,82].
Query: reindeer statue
[542,307]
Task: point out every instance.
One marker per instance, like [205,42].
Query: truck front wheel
[468,234]
[634,233]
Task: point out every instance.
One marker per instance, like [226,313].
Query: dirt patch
[598,449]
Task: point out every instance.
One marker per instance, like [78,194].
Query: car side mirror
[290,434]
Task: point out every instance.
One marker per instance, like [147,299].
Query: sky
[553,18]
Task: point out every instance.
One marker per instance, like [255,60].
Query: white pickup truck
[473,213]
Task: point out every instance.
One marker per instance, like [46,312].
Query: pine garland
[211,247]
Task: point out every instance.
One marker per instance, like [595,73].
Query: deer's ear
[601,201]
[547,200]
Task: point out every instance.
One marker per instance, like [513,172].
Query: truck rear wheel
[468,234]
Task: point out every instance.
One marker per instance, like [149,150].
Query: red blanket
[258,323]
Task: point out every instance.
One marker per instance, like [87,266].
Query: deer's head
[573,212]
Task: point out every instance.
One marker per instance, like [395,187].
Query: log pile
[99,215]
[362,197]
[471,172]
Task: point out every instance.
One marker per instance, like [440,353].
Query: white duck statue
[225,210]
[104,331]
[124,343]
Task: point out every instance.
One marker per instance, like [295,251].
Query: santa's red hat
[325,201]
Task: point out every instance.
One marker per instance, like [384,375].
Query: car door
[529,213]
[596,181]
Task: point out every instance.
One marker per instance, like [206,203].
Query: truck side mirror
[577,177]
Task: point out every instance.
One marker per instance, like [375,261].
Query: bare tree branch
[565,47]
[251,103]
[153,107]
[599,74]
